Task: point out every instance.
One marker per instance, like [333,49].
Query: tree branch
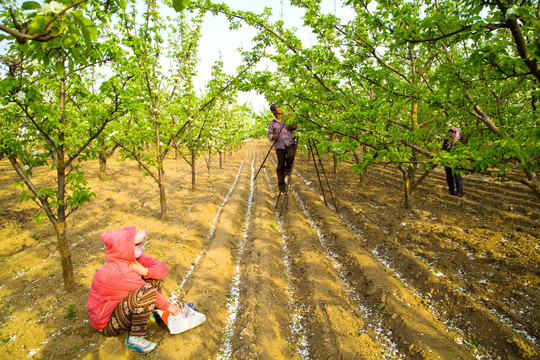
[43,36]
[481,114]
[43,203]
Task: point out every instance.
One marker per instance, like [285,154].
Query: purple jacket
[286,136]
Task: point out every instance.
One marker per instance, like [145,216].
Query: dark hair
[273,107]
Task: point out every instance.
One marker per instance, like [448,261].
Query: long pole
[255,178]
[271,147]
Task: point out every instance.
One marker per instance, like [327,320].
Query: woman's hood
[457,132]
[120,244]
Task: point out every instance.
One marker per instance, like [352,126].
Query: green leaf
[70,40]
[87,28]
[180,5]
[30,5]
[39,218]
[59,68]
[37,24]
[483,166]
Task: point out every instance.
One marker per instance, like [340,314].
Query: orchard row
[84,79]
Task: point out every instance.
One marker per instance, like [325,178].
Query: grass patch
[71,312]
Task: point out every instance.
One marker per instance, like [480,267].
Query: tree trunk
[364,173]
[65,255]
[362,181]
[414,116]
[102,166]
[193,186]
[160,158]
[220,160]
[531,180]
[535,187]
[60,223]
[335,164]
[411,172]
[60,227]
[521,41]
[208,163]
[406,187]
[162,194]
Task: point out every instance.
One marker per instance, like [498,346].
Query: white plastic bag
[188,319]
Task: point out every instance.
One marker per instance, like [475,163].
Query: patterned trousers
[132,313]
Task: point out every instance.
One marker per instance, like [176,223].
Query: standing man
[283,137]
[454,180]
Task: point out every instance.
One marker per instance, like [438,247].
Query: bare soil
[454,278]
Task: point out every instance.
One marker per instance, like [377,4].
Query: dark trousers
[452,178]
[285,160]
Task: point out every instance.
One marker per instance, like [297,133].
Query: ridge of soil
[454,278]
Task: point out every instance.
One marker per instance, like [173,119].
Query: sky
[218,39]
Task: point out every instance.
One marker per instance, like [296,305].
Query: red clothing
[116,279]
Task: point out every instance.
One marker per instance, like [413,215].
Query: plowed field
[455,278]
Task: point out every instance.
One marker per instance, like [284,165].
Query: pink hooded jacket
[116,279]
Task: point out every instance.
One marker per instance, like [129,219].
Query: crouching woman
[123,293]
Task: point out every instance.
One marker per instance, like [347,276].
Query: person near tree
[454,180]
[283,136]
[127,289]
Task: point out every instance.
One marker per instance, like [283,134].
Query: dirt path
[456,257]
[454,278]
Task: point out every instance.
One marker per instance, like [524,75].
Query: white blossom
[511,12]
[53,6]
[20,96]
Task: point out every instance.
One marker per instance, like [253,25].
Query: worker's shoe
[140,344]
